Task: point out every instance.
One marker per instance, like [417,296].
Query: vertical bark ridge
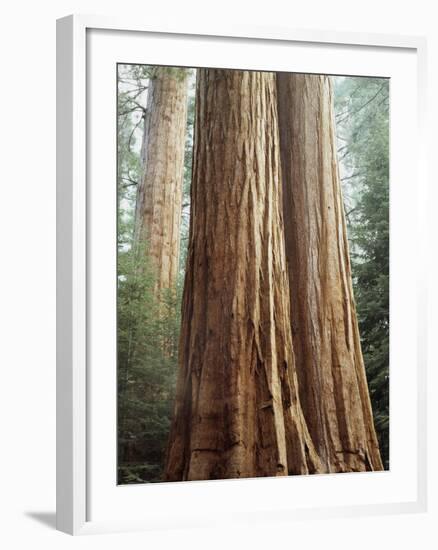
[237,409]
[330,369]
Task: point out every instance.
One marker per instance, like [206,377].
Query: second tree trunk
[159,196]
[330,368]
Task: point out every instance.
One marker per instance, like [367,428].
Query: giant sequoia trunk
[331,374]
[159,196]
[237,411]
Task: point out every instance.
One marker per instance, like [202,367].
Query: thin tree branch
[132,133]
[130,180]
[361,107]
[350,177]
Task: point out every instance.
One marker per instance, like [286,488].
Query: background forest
[149,321]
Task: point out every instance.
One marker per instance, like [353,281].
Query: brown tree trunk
[237,411]
[159,196]
[331,374]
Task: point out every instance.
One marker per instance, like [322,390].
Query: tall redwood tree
[237,410]
[331,375]
[159,196]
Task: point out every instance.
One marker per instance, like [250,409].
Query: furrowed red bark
[237,410]
[159,196]
[331,374]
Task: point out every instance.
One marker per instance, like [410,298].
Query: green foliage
[130,109]
[362,107]
[148,330]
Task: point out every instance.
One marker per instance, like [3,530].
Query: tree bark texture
[237,410]
[331,374]
[159,195]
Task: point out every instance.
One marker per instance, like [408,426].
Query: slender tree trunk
[159,195]
[237,411]
[331,374]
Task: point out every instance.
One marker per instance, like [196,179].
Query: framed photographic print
[240,286]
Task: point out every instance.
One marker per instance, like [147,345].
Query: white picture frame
[76,387]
